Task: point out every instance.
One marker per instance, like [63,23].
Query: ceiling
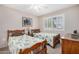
[38,9]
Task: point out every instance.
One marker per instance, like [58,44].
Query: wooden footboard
[25,51]
[38,48]
[56,40]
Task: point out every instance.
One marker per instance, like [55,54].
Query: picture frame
[26,21]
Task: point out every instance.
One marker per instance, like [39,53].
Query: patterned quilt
[47,36]
[19,42]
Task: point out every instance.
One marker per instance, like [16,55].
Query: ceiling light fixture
[37,7]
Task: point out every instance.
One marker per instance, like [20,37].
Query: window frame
[46,19]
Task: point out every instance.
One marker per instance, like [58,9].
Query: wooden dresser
[69,45]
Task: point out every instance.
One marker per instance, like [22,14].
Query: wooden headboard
[35,30]
[15,33]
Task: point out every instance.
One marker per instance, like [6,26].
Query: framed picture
[26,21]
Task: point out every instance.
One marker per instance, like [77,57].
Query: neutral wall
[10,19]
[71,19]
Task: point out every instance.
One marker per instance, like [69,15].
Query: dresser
[69,45]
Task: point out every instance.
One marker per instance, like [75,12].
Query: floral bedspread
[20,42]
[47,36]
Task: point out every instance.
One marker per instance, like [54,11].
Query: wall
[71,19]
[10,19]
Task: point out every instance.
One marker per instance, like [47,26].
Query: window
[54,22]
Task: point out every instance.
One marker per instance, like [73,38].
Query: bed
[20,43]
[52,38]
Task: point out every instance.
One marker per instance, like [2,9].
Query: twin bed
[20,43]
[52,38]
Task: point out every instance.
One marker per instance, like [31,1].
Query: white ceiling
[38,9]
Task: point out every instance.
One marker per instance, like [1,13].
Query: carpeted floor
[4,50]
[50,50]
[56,50]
